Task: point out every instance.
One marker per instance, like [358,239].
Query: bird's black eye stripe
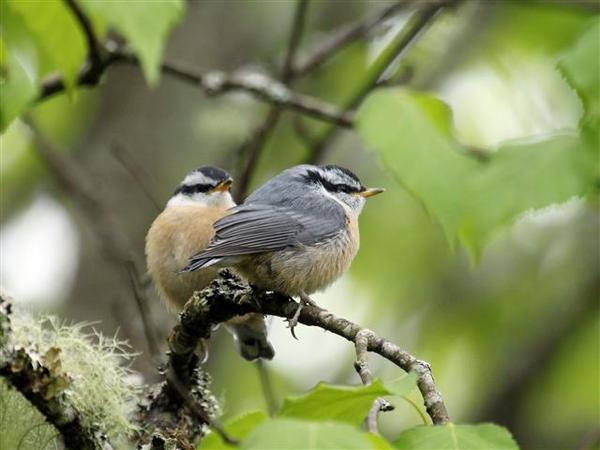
[315,177]
[193,189]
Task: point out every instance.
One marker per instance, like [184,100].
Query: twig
[295,36]
[227,297]
[136,171]
[94,47]
[145,314]
[41,381]
[115,244]
[361,365]
[253,147]
[267,386]
[214,83]
[402,40]
[344,36]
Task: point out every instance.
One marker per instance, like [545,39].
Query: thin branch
[344,36]
[228,296]
[361,365]
[136,171]
[416,24]
[115,244]
[94,47]
[41,381]
[267,386]
[144,311]
[253,147]
[295,36]
[214,83]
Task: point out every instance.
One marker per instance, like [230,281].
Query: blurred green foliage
[521,134]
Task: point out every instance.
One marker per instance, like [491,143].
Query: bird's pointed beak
[371,192]
[224,186]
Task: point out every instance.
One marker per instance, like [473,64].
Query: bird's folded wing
[259,228]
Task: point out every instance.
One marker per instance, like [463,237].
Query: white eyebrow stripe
[197,178]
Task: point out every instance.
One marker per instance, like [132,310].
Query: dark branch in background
[227,297]
[533,360]
[117,247]
[267,387]
[344,36]
[295,37]
[261,134]
[415,25]
[41,381]
[137,172]
[94,47]
[213,83]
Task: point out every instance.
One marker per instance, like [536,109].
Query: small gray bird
[186,226]
[295,235]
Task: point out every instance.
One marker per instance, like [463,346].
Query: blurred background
[513,337]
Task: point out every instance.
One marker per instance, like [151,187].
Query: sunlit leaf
[23,426]
[238,428]
[348,404]
[403,385]
[470,198]
[581,66]
[58,36]
[456,437]
[293,434]
[145,25]
[19,66]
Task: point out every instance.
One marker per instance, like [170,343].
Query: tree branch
[41,381]
[344,36]
[416,24]
[361,365]
[214,83]
[228,296]
[94,47]
[261,134]
[115,244]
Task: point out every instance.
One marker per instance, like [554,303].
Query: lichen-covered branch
[258,85]
[228,296]
[41,380]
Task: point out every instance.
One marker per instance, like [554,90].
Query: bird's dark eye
[344,188]
[193,189]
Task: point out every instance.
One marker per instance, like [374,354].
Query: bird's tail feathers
[250,336]
[199,263]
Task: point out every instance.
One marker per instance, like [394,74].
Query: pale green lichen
[103,389]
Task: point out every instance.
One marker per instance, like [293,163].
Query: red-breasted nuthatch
[295,235]
[185,226]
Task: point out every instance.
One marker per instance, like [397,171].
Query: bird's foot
[304,300]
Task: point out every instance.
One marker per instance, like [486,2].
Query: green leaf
[238,428]
[23,426]
[145,25]
[349,404]
[379,442]
[470,198]
[57,34]
[403,385]
[293,434]
[18,90]
[581,67]
[19,63]
[519,178]
[456,437]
